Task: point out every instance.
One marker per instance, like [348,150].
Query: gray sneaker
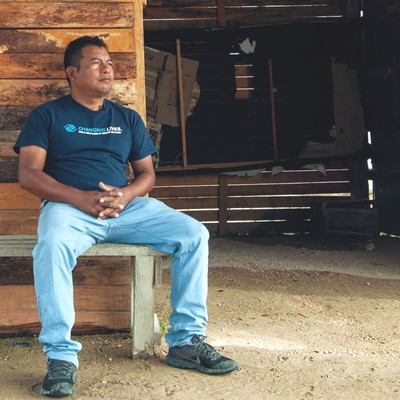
[200,356]
[59,380]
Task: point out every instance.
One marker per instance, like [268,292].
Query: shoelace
[206,349]
[60,369]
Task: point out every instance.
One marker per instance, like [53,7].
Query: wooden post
[272,98]
[142,306]
[222,204]
[181,101]
[138,32]
[221,18]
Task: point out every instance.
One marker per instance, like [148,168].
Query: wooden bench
[146,268]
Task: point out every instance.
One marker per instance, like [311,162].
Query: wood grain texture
[23,92]
[12,197]
[20,41]
[66,15]
[18,222]
[20,323]
[39,66]
[138,33]
[94,271]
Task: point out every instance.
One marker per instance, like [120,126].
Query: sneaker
[201,356]
[59,380]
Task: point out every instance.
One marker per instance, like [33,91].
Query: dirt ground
[305,318]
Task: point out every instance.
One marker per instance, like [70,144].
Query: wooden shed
[287,93]
[33,36]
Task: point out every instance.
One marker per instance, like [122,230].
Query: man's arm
[32,178]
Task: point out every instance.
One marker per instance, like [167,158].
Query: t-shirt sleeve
[34,132]
[142,145]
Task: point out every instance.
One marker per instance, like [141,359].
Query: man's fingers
[109,189]
[107,199]
[105,187]
[108,213]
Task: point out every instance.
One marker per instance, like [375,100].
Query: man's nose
[106,67]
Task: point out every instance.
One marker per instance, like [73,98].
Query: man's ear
[70,71]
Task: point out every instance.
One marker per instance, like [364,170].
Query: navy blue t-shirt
[84,146]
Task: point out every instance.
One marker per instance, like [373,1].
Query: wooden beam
[272,98]
[66,15]
[181,101]
[223,205]
[221,18]
[50,41]
[138,37]
[142,306]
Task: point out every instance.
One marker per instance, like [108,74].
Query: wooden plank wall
[200,14]
[254,203]
[33,36]
[102,296]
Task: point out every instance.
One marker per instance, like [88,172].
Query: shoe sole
[174,362]
[61,389]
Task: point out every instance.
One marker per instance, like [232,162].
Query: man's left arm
[141,185]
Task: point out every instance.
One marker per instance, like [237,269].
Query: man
[73,152]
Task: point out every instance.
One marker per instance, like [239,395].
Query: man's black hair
[73,51]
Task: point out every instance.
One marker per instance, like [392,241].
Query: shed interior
[298,114]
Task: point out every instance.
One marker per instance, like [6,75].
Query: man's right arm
[32,178]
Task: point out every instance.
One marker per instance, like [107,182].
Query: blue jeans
[64,233]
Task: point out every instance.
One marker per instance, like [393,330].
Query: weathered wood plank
[94,271]
[182,180]
[86,298]
[268,228]
[300,214]
[88,322]
[182,191]
[279,201]
[6,150]
[66,1]
[13,117]
[18,222]
[286,8]
[201,17]
[12,197]
[24,92]
[287,176]
[287,188]
[21,323]
[244,83]
[182,204]
[8,167]
[235,3]
[9,135]
[102,298]
[40,66]
[341,173]
[66,15]
[19,41]
[22,246]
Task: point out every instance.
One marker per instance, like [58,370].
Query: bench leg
[142,306]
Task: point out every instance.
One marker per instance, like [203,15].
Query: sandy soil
[305,319]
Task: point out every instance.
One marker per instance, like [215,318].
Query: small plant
[163,327]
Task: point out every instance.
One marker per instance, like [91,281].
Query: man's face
[95,74]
